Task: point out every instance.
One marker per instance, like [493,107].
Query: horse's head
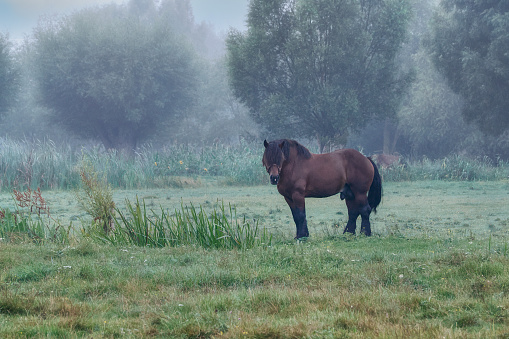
[273,159]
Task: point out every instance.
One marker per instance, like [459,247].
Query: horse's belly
[322,193]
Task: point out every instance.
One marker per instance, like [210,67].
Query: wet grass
[437,266]
[341,287]
[422,208]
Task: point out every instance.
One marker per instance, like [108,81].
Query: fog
[195,101]
[18,17]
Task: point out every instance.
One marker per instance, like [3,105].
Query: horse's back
[327,173]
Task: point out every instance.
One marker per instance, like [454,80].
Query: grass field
[408,208]
[437,266]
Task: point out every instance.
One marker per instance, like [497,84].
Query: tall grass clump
[95,196]
[14,227]
[220,229]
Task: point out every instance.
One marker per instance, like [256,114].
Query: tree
[319,68]
[9,75]
[469,44]
[114,73]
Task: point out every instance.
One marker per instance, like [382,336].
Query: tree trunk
[391,135]
[121,139]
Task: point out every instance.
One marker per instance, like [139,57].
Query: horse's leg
[353,213]
[365,224]
[298,208]
[358,206]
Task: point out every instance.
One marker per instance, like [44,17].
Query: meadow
[436,266]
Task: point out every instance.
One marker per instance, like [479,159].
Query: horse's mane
[287,144]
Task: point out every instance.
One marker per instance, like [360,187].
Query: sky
[18,17]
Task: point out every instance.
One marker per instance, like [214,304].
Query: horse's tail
[375,191]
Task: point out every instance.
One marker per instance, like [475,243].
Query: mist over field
[126,74]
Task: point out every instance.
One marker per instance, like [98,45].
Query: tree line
[422,78]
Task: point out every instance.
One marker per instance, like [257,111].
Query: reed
[452,168]
[219,229]
[43,164]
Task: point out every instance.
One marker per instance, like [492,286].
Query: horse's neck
[292,159]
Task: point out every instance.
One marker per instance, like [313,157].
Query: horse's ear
[265,143]
[282,145]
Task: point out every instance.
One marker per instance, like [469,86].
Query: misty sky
[18,17]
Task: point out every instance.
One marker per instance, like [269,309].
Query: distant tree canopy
[114,72]
[469,45]
[9,75]
[319,68]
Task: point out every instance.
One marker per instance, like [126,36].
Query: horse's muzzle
[274,179]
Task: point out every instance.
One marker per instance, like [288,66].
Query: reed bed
[452,168]
[45,165]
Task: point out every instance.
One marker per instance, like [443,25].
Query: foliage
[114,75]
[469,46]
[31,200]
[15,227]
[429,120]
[95,196]
[188,226]
[9,75]
[319,68]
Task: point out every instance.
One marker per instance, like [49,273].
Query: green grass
[437,266]
[221,228]
[341,287]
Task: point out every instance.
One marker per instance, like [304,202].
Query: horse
[299,174]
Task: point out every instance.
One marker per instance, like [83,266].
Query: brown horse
[299,174]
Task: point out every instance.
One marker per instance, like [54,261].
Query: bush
[95,196]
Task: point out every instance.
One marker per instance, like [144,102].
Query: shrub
[95,196]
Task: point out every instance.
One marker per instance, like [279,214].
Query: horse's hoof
[303,238]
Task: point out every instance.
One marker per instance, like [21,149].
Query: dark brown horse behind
[299,174]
